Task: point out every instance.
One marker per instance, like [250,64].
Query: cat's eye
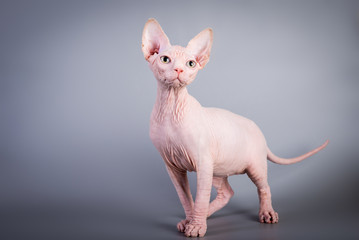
[165,59]
[191,63]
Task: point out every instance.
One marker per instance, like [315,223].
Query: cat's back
[228,125]
[228,117]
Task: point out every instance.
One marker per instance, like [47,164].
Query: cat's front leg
[198,225]
[180,181]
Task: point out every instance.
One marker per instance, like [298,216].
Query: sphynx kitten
[213,142]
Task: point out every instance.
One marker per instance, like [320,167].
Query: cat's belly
[232,169]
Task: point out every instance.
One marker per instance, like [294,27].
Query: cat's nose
[178,70]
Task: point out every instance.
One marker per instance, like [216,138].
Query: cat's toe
[181,226]
[195,230]
[268,216]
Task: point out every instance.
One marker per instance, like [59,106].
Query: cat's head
[175,66]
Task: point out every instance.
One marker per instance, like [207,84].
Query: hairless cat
[213,142]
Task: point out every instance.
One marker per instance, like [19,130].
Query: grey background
[76,96]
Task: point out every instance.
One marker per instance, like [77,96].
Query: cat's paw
[195,230]
[181,226]
[268,216]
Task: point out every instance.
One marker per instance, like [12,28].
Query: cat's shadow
[232,211]
[233,219]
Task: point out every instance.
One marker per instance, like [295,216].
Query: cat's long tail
[287,161]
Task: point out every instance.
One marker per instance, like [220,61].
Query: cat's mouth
[176,82]
[179,81]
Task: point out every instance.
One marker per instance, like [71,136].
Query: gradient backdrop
[76,94]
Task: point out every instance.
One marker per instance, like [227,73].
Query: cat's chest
[166,133]
[176,144]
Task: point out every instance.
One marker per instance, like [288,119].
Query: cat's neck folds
[171,103]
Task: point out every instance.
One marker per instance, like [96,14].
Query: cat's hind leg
[224,193]
[258,174]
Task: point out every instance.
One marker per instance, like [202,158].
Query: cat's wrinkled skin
[213,142]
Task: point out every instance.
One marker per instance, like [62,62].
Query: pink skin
[213,142]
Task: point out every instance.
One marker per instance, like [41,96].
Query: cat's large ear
[154,40]
[200,46]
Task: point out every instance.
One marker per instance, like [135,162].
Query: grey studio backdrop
[76,96]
